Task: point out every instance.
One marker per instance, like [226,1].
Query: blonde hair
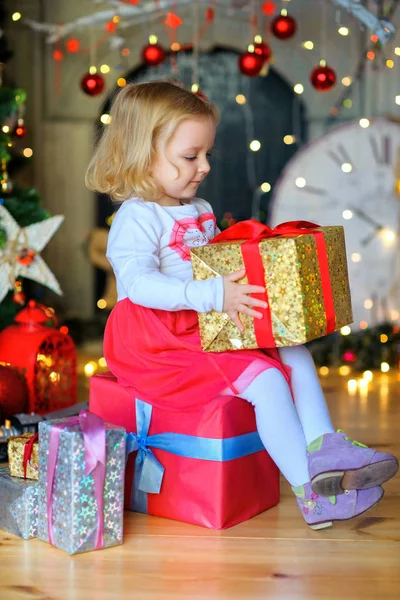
[140,114]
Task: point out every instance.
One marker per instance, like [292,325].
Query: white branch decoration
[146,12]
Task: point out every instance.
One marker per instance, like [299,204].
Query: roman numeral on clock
[381,149]
[340,156]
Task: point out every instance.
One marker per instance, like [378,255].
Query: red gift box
[210,493]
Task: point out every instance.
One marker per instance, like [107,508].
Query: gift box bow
[28,451]
[251,233]
[149,472]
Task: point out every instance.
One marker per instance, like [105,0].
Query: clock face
[351,177]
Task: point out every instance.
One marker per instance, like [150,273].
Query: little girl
[152,158]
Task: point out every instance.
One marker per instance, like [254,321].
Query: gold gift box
[15,448]
[294,288]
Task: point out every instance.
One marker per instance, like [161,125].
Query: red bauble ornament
[58,55]
[19,298]
[349,356]
[210,15]
[92,85]
[323,78]
[111,27]
[13,393]
[73,45]
[263,50]
[250,63]
[21,131]
[283,27]
[153,55]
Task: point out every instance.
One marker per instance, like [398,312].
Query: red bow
[253,232]
[28,450]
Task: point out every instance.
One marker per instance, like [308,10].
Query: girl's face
[181,166]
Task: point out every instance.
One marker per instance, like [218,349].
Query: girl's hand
[237,298]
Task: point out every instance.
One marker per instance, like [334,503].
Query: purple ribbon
[94,439]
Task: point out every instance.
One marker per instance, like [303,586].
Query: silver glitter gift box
[18,505]
[73,502]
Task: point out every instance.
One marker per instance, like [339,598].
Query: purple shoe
[321,511]
[337,463]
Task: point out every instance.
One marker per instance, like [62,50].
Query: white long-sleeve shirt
[149,251]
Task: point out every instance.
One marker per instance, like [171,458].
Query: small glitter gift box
[81,483]
[18,505]
[303,268]
[23,456]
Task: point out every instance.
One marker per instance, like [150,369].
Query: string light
[298,88]
[175,46]
[5,128]
[343,31]
[344,370]
[241,99]
[195,88]
[363,325]
[347,103]
[397,51]
[121,82]
[309,45]
[102,362]
[388,236]
[368,375]
[125,52]
[355,257]
[346,168]
[255,145]
[368,304]
[101,303]
[265,187]
[383,338]
[300,182]
[27,152]
[363,385]
[105,69]
[364,123]
[390,63]
[289,139]
[346,330]
[385,367]
[352,386]
[346,81]
[92,70]
[324,371]
[394,314]
[16,16]
[106,120]
[90,368]
[153,39]
[397,100]
[347,214]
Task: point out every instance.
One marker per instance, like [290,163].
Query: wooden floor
[271,556]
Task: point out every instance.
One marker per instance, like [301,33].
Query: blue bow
[149,472]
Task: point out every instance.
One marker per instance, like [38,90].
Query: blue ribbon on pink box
[149,472]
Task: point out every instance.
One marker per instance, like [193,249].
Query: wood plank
[273,555]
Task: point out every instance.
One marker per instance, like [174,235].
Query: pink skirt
[157,355]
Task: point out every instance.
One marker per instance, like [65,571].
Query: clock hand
[377,226]
[360,213]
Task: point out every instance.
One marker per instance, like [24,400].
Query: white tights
[286,428]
